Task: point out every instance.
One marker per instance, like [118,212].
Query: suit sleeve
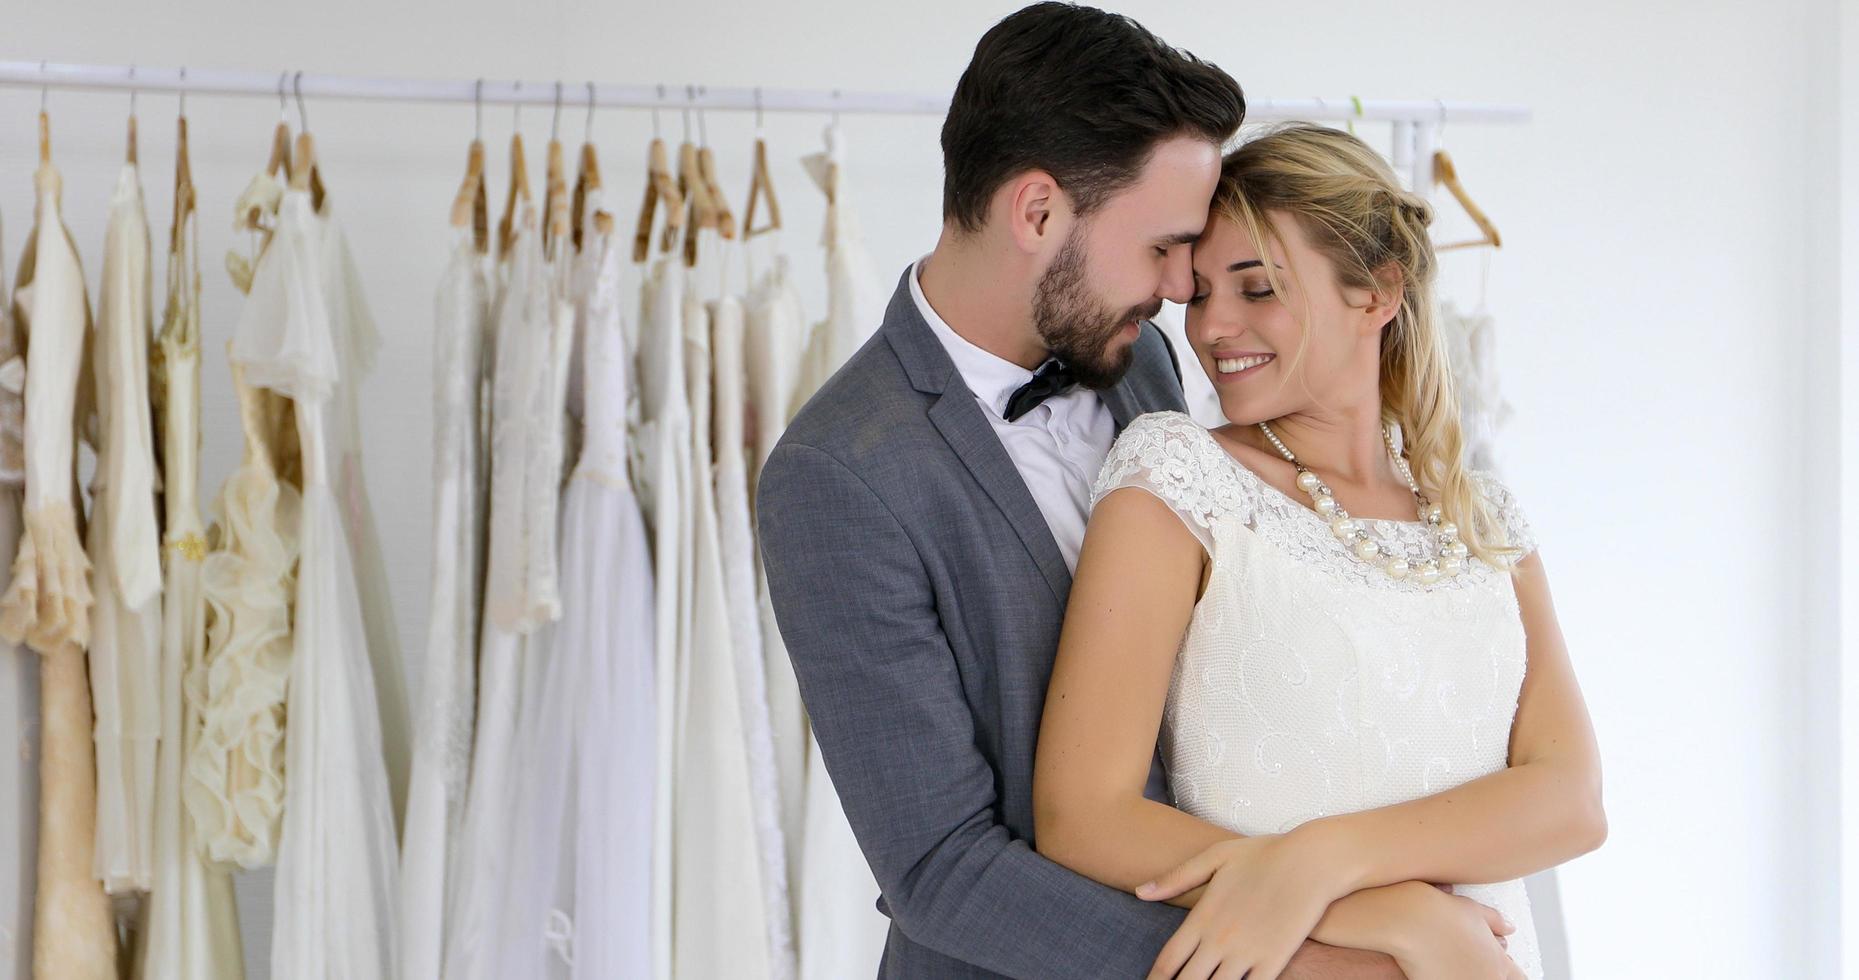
[857,612]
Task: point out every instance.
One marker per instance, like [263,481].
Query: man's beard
[1075,326]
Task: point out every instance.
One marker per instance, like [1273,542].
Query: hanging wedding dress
[19,673]
[580,884]
[665,434]
[442,750]
[535,325]
[46,603]
[774,332]
[1471,341]
[337,857]
[123,542]
[192,927]
[354,326]
[720,915]
[841,932]
[737,545]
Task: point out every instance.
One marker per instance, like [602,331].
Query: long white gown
[47,602]
[534,322]
[336,891]
[122,540]
[774,331]
[579,889]
[442,747]
[192,928]
[665,432]
[359,341]
[736,544]
[1311,683]
[841,933]
[720,912]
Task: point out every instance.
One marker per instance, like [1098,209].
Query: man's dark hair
[1082,94]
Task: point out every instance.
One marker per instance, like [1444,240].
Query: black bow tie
[1052,378]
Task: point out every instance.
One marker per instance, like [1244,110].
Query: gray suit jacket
[920,594]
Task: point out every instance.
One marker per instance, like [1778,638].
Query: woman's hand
[1262,898]
[1431,933]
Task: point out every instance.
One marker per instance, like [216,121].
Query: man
[921,517]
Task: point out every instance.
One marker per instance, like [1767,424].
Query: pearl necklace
[1450,553]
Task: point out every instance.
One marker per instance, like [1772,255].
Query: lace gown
[736,544]
[521,600]
[337,859]
[442,750]
[1309,683]
[720,911]
[579,890]
[665,441]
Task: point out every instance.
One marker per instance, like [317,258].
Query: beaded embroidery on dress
[1309,682]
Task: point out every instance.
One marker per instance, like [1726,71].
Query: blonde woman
[1343,639]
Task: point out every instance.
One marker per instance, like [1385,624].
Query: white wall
[1650,298]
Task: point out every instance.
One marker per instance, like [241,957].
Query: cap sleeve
[1175,459]
[1507,512]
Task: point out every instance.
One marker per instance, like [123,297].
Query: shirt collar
[990,377]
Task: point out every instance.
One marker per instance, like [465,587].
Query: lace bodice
[1174,457]
[1310,683]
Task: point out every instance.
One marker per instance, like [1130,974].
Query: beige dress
[124,542]
[47,603]
[192,929]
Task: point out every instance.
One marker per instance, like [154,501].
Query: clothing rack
[1416,122]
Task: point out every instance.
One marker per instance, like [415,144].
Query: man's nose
[1177,285]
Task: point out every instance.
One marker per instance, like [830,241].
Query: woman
[1344,639]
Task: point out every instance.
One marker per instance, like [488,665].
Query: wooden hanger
[725,222]
[760,185]
[469,206]
[586,178]
[303,160]
[556,185]
[45,138]
[659,187]
[131,156]
[697,191]
[1445,173]
[519,188]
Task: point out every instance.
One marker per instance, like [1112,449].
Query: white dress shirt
[1058,447]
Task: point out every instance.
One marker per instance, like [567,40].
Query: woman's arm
[1139,573]
[1542,810]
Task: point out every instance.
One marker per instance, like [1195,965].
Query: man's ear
[1034,208]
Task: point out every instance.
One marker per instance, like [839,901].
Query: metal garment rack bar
[1416,122]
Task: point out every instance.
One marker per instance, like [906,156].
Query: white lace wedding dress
[1309,683]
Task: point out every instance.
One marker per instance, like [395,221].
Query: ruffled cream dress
[235,772]
[47,603]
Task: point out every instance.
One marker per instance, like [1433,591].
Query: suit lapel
[971,437]
[958,417]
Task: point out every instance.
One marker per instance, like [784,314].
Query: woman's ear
[1385,301]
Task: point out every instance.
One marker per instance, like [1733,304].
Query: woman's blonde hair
[1349,204]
